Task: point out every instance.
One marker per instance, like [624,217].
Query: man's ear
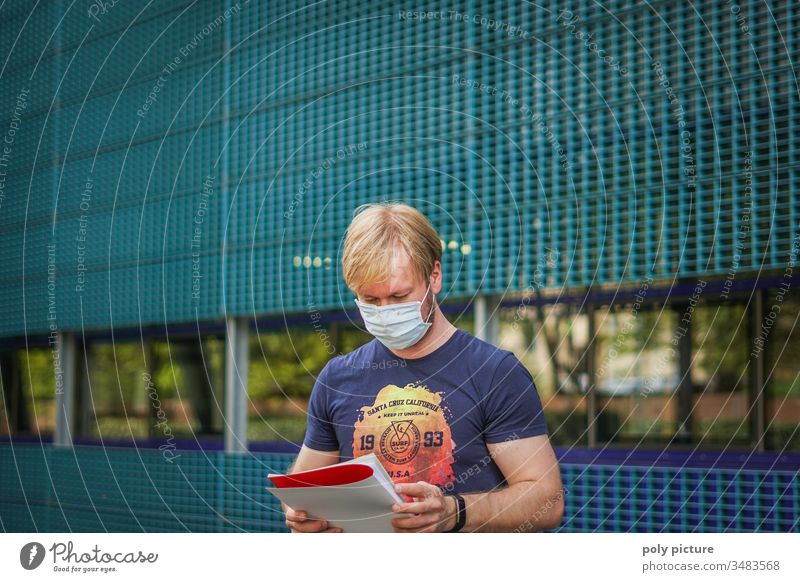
[436,274]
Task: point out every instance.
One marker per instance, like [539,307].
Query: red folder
[356,495]
[333,475]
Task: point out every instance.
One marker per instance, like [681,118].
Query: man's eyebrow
[400,292]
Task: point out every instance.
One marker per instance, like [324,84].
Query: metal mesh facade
[200,159]
[97,489]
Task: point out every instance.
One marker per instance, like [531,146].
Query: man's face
[403,286]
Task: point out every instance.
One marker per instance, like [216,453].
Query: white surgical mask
[397,325]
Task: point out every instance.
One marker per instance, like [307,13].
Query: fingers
[292,514]
[309,526]
[429,504]
[299,522]
[418,489]
[424,522]
[423,512]
[312,526]
[415,521]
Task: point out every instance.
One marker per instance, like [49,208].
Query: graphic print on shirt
[408,431]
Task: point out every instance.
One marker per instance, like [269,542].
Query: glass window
[783,370]
[181,396]
[636,375]
[721,408]
[116,400]
[550,342]
[283,367]
[27,403]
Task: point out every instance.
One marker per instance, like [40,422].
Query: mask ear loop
[423,300]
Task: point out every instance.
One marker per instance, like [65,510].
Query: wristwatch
[461,518]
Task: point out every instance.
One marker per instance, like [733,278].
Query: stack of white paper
[355,495]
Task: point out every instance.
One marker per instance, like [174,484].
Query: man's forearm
[525,506]
[289,470]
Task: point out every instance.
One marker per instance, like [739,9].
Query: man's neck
[440,331]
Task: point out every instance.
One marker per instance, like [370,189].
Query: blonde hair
[371,239]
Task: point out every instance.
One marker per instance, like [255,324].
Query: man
[456,422]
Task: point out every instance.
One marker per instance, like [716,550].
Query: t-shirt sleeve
[320,433]
[512,408]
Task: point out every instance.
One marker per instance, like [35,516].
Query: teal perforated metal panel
[500,121]
[679,499]
[121,489]
[108,489]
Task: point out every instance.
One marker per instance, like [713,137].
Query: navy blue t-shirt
[429,418]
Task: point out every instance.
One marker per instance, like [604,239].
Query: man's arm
[533,500]
[307,460]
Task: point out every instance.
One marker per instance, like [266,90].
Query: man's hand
[430,510]
[299,522]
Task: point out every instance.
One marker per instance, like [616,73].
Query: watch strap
[461,513]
